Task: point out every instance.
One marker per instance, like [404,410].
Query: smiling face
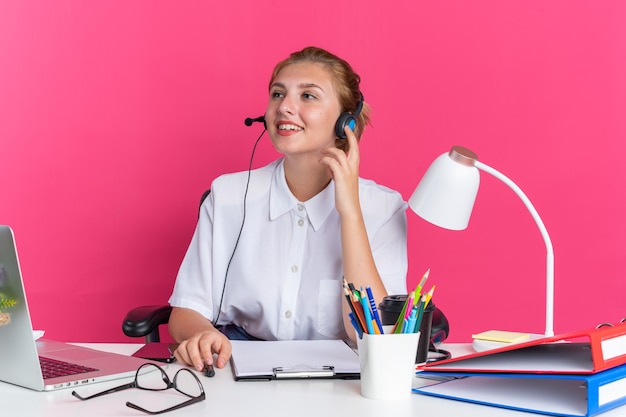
[302,109]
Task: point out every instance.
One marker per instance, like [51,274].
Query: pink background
[116,115]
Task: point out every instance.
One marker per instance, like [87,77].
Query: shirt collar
[282,200]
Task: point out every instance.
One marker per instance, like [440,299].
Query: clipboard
[579,352]
[257,360]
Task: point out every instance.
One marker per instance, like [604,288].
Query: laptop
[22,357]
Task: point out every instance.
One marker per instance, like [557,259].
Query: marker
[420,313]
[409,306]
[405,326]
[410,325]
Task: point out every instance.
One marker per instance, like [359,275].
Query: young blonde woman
[308,221]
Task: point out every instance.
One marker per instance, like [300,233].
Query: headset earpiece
[348,119]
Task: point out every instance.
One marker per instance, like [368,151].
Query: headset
[348,119]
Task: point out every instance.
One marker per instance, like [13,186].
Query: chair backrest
[145,320]
[204,196]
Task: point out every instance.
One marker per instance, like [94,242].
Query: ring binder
[563,395]
[575,374]
[609,324]
[300,372]
[578,352]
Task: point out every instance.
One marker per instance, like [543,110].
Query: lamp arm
[549,331]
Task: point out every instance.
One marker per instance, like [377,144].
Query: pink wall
[115,116]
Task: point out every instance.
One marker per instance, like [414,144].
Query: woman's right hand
[198,340]
[198,350]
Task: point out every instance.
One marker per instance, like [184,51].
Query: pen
[209,371]
[368,315]
[370,296]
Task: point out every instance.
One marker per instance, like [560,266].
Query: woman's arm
[358,262]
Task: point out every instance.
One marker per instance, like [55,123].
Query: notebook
[19,351]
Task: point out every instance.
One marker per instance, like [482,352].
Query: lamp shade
[446,193]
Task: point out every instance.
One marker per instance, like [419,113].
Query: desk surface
[226,397]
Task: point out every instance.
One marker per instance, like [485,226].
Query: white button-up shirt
[285,278]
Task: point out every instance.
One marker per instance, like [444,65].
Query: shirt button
[288,314]
[294,268]
[300,222]
[300,207]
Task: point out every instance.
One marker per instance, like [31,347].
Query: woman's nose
[286,106]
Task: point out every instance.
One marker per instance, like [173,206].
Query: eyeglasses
[184,381]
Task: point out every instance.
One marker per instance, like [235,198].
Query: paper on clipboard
[288,359]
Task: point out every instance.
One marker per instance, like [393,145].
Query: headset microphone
[249,121]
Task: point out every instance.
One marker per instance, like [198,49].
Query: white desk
[226,397]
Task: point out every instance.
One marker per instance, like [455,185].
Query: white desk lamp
[445,197]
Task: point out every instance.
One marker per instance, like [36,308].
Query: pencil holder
[387,365]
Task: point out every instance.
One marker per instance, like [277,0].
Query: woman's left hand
[344,169]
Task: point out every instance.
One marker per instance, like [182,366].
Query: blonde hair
[345,81]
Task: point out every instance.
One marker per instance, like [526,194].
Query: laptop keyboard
[52,368]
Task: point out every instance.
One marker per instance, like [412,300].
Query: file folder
[256,360]
[579,352]
[564,395]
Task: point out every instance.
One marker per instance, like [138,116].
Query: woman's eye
[308,96]
[276,94]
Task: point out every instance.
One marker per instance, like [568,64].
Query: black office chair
[144,321]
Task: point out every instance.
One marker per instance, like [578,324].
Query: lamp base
[480,345]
